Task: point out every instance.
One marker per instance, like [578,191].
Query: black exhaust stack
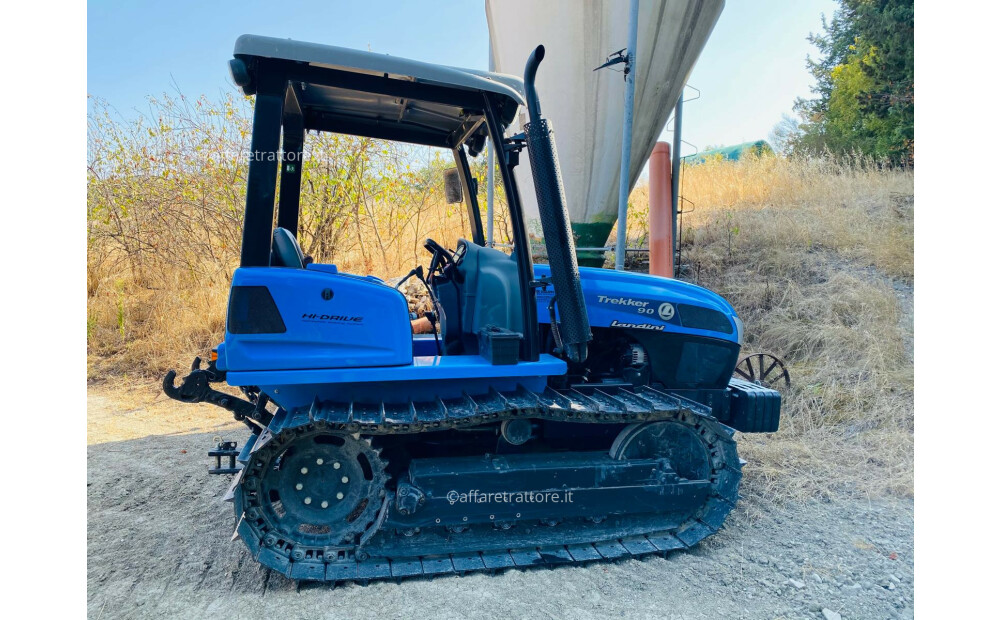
[574,326]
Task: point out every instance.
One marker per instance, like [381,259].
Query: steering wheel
[439,254]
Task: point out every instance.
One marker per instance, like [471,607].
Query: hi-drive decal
[662,310]
[332,318]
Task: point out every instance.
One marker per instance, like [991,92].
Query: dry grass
[141,331]
[817,257]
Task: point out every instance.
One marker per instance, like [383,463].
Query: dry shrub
[165,205]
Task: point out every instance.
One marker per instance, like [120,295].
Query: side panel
[624,300]
[692,335]
[329,320]
[685,362]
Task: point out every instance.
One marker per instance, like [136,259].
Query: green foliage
[864,83]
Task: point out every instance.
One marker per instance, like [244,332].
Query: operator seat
[482,290]
[285,250]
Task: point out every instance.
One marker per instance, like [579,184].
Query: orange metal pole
[661,242]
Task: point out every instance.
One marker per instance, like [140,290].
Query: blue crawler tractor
[559,415]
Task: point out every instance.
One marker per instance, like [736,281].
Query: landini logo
[652,328]
[666,311]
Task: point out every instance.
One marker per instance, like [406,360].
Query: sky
[750,72]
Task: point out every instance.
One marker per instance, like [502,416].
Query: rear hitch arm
[195,388]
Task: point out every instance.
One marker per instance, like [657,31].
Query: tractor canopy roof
[375,95]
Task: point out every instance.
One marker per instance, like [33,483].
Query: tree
[864,82]
[785,134]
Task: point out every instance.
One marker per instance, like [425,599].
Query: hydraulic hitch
[195,388]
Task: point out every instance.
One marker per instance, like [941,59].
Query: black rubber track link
[601,405]
[388,554]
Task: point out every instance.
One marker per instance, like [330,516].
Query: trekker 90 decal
[652,308]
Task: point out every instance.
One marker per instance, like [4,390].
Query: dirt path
[158,545]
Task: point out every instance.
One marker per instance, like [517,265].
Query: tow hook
[195,388]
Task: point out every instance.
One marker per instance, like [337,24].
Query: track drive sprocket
[309,494]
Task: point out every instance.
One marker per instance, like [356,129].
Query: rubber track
[617,538]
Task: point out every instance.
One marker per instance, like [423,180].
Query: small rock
[829,614]
[796,583]
[895,578]
[817,578]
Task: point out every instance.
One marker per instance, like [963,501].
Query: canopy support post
[623,180]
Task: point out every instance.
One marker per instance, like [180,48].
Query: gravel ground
[158,545]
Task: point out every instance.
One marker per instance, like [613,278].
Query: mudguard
[314,318]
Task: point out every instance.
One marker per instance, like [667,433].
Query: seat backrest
[285,250]
[489,294]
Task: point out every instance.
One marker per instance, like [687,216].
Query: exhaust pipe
[574,325]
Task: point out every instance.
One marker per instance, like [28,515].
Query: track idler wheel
[674,441]
[698,449]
